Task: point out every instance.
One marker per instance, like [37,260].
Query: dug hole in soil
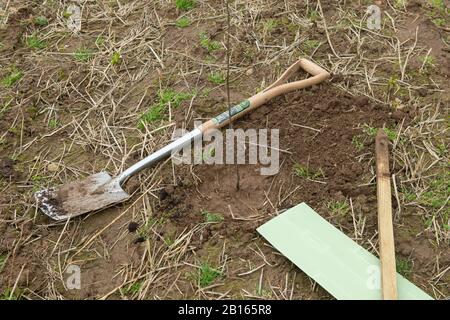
[330,120]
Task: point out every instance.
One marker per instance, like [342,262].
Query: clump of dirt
[133,226]
[7,170]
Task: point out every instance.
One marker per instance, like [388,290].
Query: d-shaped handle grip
[275,89]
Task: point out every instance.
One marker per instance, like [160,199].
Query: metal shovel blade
[96,192]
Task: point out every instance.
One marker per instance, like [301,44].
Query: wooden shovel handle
[275,89]
[385,227]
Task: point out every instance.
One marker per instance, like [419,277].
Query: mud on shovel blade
[73,199]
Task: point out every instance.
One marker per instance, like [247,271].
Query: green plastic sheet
[337,263]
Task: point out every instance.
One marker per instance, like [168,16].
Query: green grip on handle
[224,116]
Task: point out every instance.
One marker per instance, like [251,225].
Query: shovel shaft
[277,88]
[161,154]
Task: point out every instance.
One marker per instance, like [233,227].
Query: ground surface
[72,105]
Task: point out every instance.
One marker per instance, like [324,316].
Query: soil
[338,116]
[317,129]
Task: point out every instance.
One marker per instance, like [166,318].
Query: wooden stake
[385,227]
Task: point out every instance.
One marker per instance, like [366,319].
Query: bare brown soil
[160,239]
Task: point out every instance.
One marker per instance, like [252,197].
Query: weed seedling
[216,78]
[11,79]
[442,149]
[8,294]
[184,5]
[133,288]
[338,207]
[427,62]
[391,133]
[67,14]
[370,131]
[305,172]
[440,22]
[357,142]
[173,98]
[437,4]
[313,15]
[210,59]
[310,44]
[436,196]
[53,124]
[392,84]
[400,4]
[115,58]
[157,111]
[99,41]
[183,22]
[37,179]
[212,217]
[208,44]
[404,267]
[408,195]
[168,240]
[269,25]
[207,275]
[83,55]
[41,21]
[143,231]
[262,292]
[33,42]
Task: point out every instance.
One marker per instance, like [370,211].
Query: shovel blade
[96,192]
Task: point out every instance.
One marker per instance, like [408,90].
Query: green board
[341,266]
